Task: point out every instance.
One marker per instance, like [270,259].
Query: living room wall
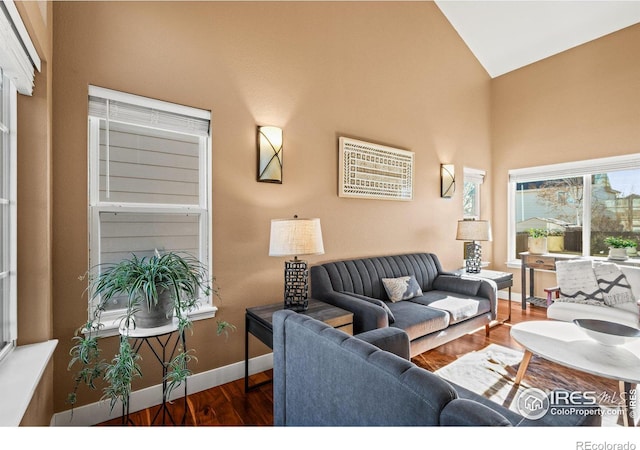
[393,73]
[35,313]
[581,104]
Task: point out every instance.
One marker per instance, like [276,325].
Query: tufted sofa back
[364,276]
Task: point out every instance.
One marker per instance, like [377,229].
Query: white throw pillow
[402,288]
[613,283]
[578,283]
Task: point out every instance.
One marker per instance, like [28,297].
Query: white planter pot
[537,246]
[617,254]
[159,315]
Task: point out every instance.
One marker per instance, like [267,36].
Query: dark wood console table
[538,262]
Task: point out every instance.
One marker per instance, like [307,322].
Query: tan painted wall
[581,104]
[393,73]
[35,312]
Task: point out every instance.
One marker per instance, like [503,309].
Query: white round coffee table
[566,344]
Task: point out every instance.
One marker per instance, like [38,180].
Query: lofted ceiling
[506,35]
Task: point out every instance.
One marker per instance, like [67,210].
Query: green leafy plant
[538,232]
[140,281]
[555,232]
[619,242]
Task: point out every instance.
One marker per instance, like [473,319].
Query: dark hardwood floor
[229,405]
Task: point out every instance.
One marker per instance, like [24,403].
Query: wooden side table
[538,262]
[259,322]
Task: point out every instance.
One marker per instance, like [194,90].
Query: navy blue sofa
[324,377]
[450,306]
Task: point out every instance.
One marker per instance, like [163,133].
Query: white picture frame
[373,171]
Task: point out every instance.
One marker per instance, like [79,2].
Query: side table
[259,322]
[504,280]
[163,342]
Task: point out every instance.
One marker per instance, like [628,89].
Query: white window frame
[475,176]
[98,206]
[10,240]
[18,63]
[584,169]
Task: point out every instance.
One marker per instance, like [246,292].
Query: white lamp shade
[473,230]
[295,237]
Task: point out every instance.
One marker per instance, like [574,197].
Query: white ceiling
[506,35]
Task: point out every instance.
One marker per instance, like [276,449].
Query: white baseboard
[99,412]
[515,296]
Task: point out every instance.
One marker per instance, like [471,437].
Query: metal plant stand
[163,343]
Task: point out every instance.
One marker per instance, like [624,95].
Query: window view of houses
[580,213]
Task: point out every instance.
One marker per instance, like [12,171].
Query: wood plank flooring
[229,405]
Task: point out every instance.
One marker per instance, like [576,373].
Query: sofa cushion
[613,283]
[458,306]
[453,283]
[375,301]
[577,282]
[401,288]
[418,321]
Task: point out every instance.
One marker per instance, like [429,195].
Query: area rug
[491,372]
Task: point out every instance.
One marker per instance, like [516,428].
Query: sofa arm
[391,339]
[462,412]
[366,316]
[489,290]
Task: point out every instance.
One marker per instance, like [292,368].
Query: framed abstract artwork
[374,171]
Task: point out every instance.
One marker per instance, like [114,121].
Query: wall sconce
[447,180]
[293,237]
[270,154]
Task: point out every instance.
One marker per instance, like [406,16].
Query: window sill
[20,373]
[634,261]
[110,328]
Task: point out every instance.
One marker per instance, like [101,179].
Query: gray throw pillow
[457,283]
[375,301]
[401,288]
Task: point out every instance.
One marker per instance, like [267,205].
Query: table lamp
[294,237]
[472,231]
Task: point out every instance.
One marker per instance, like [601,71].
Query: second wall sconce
[447,180]
[270,154]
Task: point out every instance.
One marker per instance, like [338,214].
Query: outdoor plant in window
[538,233]
[619,242]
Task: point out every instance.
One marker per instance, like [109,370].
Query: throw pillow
[613,283]
[577,282]
[402,288]
[457,283]
[375,301]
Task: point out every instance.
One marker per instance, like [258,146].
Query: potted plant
[156,289]
[537,242]
[618,247]
[555,241]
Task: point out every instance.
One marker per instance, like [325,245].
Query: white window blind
[18,57]
[108,105]
[574,169]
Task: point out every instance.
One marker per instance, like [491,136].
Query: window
[473,179]
[579,204]
[18,62]
[149,180]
